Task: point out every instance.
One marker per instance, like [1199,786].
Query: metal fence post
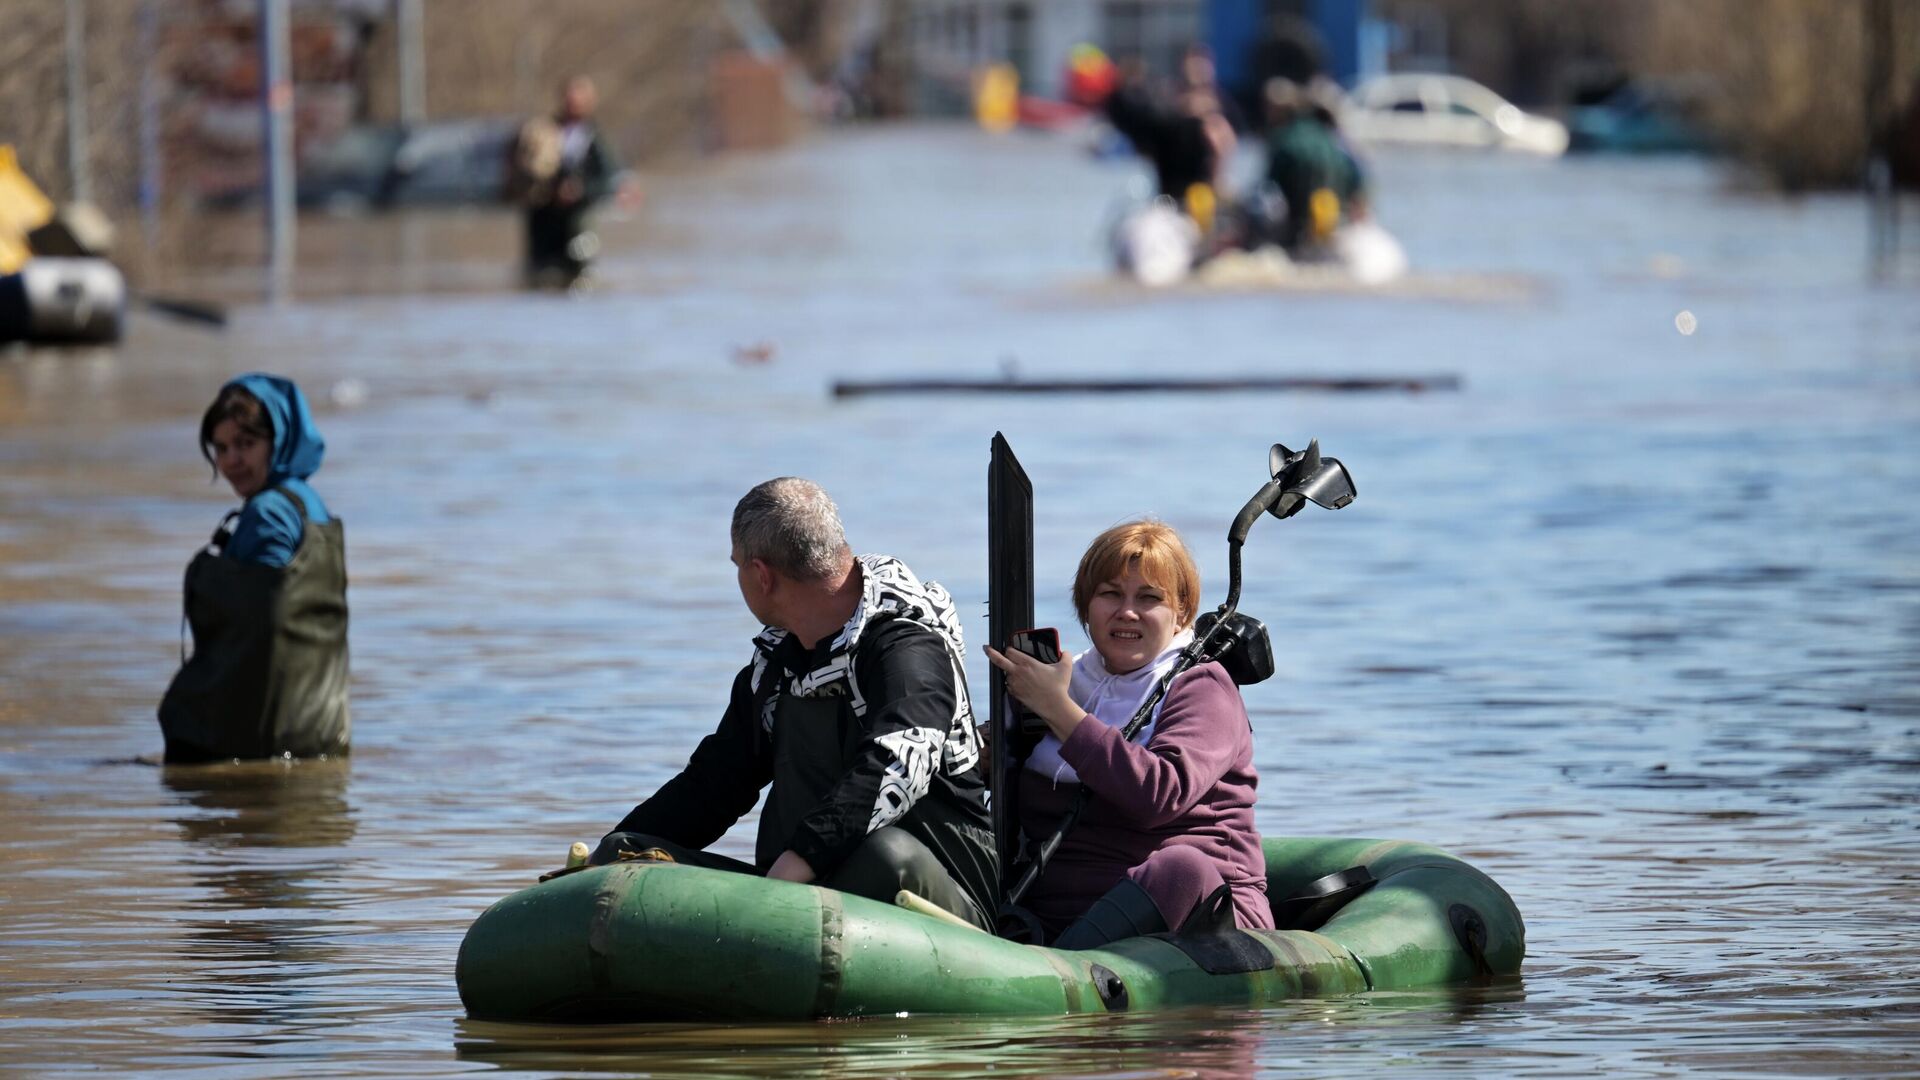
[276,99]
[79,171]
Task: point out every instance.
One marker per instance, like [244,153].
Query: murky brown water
[1632,621]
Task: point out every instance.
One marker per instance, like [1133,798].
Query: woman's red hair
[1158,552]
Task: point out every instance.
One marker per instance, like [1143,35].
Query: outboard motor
[63,301]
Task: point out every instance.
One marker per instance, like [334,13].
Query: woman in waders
[267,599]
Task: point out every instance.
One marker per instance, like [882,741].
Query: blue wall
[1235,27]
[1339,24]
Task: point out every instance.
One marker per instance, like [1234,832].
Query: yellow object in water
[1201,204]
[996,97]
[577,854]
[23,208]
[1323,212]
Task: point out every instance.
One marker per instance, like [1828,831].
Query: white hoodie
[1109,698]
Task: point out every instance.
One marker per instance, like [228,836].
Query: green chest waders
[268,675]
[935,850]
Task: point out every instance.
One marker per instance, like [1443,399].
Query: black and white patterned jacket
[901,747]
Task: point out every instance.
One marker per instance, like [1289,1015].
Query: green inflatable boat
[643,941]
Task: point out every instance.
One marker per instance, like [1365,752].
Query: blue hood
[297,445]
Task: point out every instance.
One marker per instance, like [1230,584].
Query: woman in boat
[267,599]
[1170,820]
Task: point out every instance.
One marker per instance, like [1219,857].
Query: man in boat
[1188,140]
[853,708]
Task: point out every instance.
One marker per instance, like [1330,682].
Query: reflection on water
[1191,1042]
[1631,621]
[259,936]
[264,804]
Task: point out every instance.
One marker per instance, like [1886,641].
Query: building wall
[1536,52]
[1066,23]
[948,39]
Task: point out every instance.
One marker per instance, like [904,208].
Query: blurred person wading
[559,168]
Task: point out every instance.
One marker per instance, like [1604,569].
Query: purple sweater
[1192,784]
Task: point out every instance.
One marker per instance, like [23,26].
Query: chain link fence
[174,129]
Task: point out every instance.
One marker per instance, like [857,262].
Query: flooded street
[1631,621]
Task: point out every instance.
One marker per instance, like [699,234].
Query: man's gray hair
[792,526]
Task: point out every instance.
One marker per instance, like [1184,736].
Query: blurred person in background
[1309,165]
[267,598]
[1090,76]
[558,169]
[1188,138]
[1198,72]
[1290,49]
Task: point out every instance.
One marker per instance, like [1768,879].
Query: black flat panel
[1009,608]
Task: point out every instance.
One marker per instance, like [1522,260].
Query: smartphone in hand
[1043,644]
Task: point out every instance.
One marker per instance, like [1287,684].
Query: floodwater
[1631,621]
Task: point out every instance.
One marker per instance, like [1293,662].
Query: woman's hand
[1042,688]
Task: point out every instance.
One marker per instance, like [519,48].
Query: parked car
[445,162]
[1638,118]
[352,171]
[377,166]
[1446,110]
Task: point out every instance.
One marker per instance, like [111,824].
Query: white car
[1446,110]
